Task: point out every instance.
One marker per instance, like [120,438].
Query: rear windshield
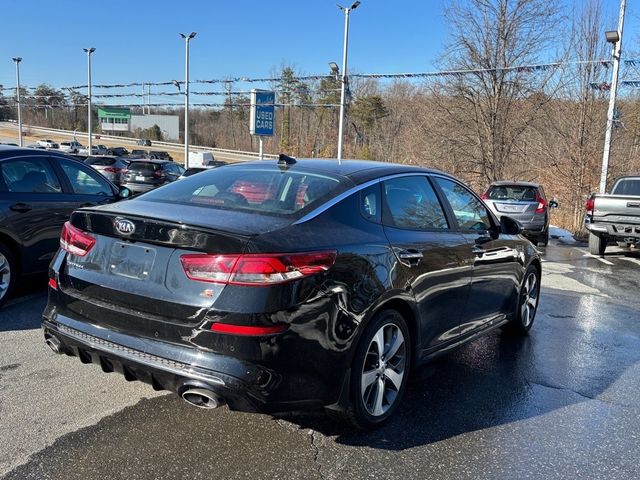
[261,190]
[105,161]
[630,186]
[144,167]
[513,192]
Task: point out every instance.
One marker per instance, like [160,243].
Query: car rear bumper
[243,385]
[140,187]
[618,230]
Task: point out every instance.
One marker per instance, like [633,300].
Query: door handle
[20,207]
[409,256]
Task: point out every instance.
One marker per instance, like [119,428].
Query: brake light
[485,196]
[75,241]
[589,206]
[53,284]
[158,174]
[114,170]
[542,204]
[247,330]
[255,269]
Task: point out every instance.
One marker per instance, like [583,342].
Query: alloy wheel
[529,300]
[5,275]
[383,370]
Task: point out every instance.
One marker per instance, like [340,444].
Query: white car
[46,143]
[70,147]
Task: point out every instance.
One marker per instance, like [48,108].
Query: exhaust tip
[201,398]
[53,343]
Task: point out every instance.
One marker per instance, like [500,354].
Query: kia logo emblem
[124,226]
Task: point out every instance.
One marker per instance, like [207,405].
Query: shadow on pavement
[23,311]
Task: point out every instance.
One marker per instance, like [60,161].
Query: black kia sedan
[285,285]
[38,191]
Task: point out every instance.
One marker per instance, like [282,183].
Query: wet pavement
[561,403]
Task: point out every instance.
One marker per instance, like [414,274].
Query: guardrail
[132,141]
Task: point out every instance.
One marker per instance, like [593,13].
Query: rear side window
[412,204]
[30,175]
[85,182]
[370,203]
[470,212]
[143,167]
[627,187]
[513,192]
[261,190]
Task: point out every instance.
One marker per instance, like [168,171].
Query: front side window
[470,213]
[85,182]
[30,175]
[412,204]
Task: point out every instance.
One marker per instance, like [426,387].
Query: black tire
[357,413]
[8,273]
[520,325]
[597,244]
[544,239]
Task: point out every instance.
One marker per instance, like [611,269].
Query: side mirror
[510,226]
[124,193]
[553,204]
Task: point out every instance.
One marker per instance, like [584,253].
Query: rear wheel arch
[404,308]
[13,246]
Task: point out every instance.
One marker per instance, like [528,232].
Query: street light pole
[343,88]
[614,37]
[187,39]
[89,51]
[17,61]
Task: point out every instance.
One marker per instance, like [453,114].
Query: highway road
[562,403]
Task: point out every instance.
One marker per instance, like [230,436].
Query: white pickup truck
[614,217]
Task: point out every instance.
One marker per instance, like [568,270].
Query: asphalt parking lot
[562,403]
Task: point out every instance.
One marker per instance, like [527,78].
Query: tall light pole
[187,39]
[614,37]
[343,89]
[17,61]
[89,51]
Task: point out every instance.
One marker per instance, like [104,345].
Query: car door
[33,209]
[431,255]
[495,257]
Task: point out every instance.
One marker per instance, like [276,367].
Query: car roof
[7,151]
[503,183]
[150,160]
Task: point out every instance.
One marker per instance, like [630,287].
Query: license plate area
[511,208]
[131,261]
[140,178]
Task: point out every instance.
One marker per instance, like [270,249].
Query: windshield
[261,190]
[627,186]
[513,192]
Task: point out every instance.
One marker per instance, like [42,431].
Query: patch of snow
[564,236]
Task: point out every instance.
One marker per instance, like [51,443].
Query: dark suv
[145,175]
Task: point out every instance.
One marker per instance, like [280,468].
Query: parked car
[111,167]
[144,175]
[145,142]
[117,151]
[159,155]
[38,191]
[70,147]
[525,202]
[95,150]
[193,170]
[137,153]
[614,217]
[36,146]
[326,293]
[46,143]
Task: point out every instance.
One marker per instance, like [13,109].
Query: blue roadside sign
[262,119]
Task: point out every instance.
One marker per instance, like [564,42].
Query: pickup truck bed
[614,217]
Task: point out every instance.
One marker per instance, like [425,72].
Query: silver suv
[525,202]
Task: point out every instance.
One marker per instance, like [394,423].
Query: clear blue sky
[139,41]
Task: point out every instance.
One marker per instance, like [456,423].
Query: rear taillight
[75,241]
[255,269]
[590,205]
[542,204]
[158,174]
[114,170]
[485,196]
[53,284]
